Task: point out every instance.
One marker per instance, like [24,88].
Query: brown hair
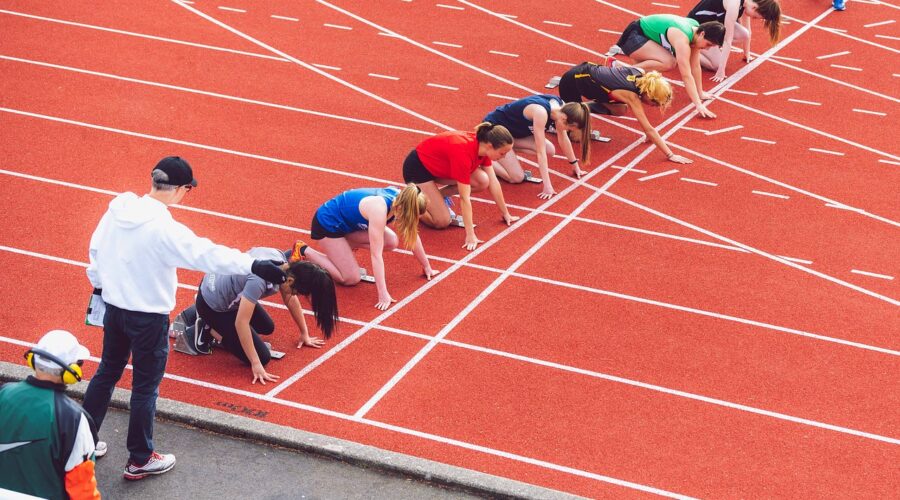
[407,207]
[770,10]
[656,87]
[580,114]
[495,135]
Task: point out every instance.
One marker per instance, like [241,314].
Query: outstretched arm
[245,337]
[731,16]
[688,61]
[296,309]
[634,102]
[538,116]
[497,194]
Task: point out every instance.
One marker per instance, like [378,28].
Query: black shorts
[317,232]
[632,38]
[572,89]
[414,170]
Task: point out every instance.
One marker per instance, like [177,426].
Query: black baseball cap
[178,170]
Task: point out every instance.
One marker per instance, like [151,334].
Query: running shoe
[101,449]
[156,464]
[202,337]
[296,252]
[614,51]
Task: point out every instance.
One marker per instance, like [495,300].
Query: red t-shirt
[452,155]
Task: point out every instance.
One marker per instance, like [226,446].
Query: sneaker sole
[142,475]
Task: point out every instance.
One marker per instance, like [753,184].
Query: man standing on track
[134,255]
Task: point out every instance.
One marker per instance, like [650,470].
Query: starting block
[595,136]
[365,276]
[531,178]
[553,83]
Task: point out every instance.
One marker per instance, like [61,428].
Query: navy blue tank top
[511,115]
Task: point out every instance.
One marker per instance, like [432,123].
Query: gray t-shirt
[223,292]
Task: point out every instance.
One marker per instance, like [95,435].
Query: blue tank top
[341,213]
[511,115]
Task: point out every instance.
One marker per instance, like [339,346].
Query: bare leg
[653,57]
[337,258]
[711,58]
[437,215]
[509,169]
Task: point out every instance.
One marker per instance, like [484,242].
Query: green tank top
[655,27]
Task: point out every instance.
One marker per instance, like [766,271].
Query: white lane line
[836,54]
[866,111]
[745,92]
[827,151]
[798,261]
[839,82]
[723,130]
[389,35]
[386,77]
[555,23]
[284,18]
[618,167]
[508,16]
[611,32]
[668,5]
[324,66]
[890,162]
[661,174]
[626,118]
[337,26]
[406,431]
[142,35]
[193,144]
[880,23]
[773,92]
[888,37]
[874,275]
[773,195]
[562,284]
[452,7]
[446,44]
[693,129]
[499,96]
[221,96]
[808,128]
[840,206]
[310,67]
[754,139]
[896,75]
[801,101]
[232,9]
[439,86]
[507,54]
[561,63]
[789,59]
[851,68]
[757,251]
[695,181]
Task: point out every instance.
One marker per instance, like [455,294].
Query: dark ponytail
[312,281]
[495,135]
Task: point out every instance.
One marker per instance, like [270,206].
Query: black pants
[223,322]
[145,337]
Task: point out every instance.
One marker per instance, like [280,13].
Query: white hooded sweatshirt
[137,247]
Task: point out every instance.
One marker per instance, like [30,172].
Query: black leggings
[223,322]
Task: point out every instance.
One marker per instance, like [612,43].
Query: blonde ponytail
[656,88]
[407,207]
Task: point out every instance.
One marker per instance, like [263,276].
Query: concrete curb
[347,451]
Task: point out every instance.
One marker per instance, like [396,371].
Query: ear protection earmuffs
[71,373]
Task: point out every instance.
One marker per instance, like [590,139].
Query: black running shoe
[202,337]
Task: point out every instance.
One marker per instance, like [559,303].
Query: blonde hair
[580,114]
[656,87]
[407,207]
[770,10]
[495,135]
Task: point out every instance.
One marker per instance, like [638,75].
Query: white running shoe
[101,449]
[156,464]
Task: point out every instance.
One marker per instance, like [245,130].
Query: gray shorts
[632,38]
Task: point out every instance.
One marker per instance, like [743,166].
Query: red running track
[659,342]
